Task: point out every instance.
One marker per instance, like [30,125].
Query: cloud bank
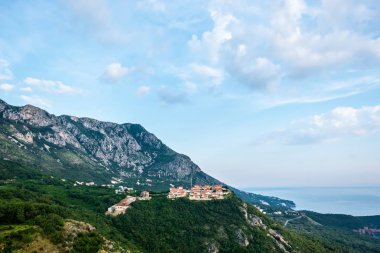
[339,123]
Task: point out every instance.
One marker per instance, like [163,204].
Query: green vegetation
[181,225]
[345,221]
[341,239]
[51,224]
[41,209]
[34,206]
[15,236]
[87,243]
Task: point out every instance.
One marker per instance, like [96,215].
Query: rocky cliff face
[89,150]
[125,151]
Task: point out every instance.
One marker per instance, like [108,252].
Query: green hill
[336,229]
[39,212]
[345,221]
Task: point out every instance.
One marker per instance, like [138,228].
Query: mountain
[87,150]
[45,205]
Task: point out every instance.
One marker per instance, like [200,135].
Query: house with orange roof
[121,207]
[179,192]
[198,192]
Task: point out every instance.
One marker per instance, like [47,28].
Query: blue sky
[258,93]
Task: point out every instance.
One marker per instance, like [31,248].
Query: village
[375,233]
[197,192]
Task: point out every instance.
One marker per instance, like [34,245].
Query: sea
[357,201]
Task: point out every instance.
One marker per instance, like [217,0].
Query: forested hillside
[42,212]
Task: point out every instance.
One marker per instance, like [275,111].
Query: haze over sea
[358,201]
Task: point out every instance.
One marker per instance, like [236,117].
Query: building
[218,187]
[123,189]
[121,207]
[197,192]
[207,192]
[177,192]
[196,188]
[144,196]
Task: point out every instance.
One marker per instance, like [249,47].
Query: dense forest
[38,211]
[345,221]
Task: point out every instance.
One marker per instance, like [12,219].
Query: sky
[257,93]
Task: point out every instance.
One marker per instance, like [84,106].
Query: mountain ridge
[86,149]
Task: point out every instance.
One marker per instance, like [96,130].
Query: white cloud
[143,90]
[348,121]
[36,101]
[327,91]
[26,89]
[5,72]
[196,76]
[256,74]
[169,96]
[311,50]
[50,86]
[213,76]
[211,42]
[6,87]
[115,72]
[341,122]
[291,46]
[339,13]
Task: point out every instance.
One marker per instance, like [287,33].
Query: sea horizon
[350,200]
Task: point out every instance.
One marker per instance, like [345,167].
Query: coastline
[356,201]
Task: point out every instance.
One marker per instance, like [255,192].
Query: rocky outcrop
[31,114]
[255,221]
[242,238]
[211,247]
[280,241]
[3,105]
[73,228]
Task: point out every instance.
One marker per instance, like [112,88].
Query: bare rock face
[252,219]
[280,241]
[242,238]
[2,105]
[73,228]
[126,148]
[211,247]
[28,137]
[30,114]
[182,166]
